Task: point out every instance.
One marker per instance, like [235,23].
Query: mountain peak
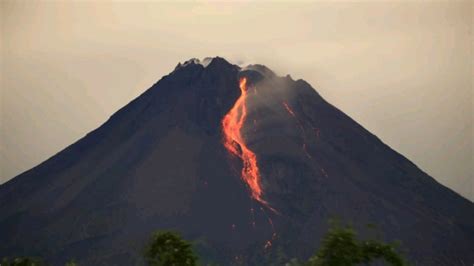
[160,163]
[204,62]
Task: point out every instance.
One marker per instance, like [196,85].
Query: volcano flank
[246,164]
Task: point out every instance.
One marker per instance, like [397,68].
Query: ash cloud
[267,115]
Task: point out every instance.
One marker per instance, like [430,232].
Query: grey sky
[401,69]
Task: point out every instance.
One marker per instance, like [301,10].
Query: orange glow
[267,245]
[290,111]
[287,107]
[234,142]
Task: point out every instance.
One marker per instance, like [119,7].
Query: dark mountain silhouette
[160,163]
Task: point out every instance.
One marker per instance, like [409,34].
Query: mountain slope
[160,163]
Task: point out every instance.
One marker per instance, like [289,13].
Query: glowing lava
[287,107]
[234,142]
[290,111]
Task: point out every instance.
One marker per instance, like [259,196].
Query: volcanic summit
[246,164]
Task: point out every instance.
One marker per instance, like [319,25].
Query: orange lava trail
[317,131]
[287,107]
[290,111]
[234,142]
[268,243]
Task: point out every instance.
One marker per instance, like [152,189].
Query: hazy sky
[401,69]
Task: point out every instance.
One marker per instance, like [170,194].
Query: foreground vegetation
[339,247]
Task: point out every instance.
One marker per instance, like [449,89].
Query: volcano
[246,164]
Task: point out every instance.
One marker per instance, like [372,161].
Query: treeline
[339,247]
[26,261]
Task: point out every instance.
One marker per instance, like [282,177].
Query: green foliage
[294,262]
[168,248]
[373,250]
[71,263]
[21,261]
[340,247]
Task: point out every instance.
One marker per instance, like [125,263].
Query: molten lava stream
[290,111]
[234,142]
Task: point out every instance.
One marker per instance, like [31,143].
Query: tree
[71,263]
[21,261]
[340,247]
[168,248]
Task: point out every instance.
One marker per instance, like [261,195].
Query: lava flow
[290,111]
[234,142]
